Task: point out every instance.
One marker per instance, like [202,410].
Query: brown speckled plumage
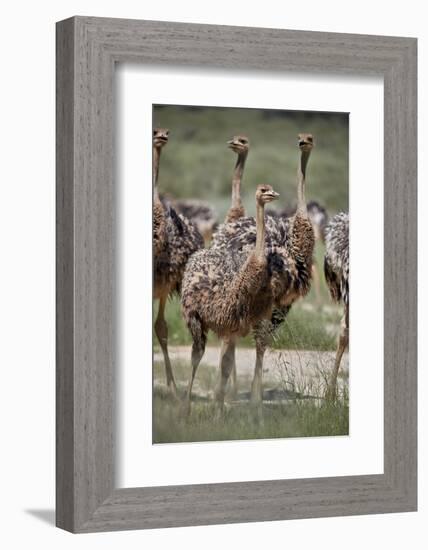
[226,292]
[336,270]
[159,227]
[336,260]
[202,215]
[288,265]
[302,248]
[234,213]
[317,214]
[319,218]
[180,240]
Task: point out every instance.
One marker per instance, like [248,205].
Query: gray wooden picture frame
[87,51]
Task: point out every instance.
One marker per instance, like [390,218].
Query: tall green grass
[302,416]
[296,419]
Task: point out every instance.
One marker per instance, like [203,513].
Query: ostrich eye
[154,132]
[309,138]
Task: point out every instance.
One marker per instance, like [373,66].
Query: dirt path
[304,371]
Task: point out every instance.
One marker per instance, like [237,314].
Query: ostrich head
[265,194]
[160,137]
[306,142]
[239,144]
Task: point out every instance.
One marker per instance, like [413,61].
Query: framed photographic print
[221,194]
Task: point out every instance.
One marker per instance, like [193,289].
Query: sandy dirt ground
[299,372]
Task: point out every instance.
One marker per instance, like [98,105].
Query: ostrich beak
[273,195]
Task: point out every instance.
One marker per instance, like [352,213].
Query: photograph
[250,273]
[179,184]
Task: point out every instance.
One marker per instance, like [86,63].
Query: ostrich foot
[256,397]
[172,391]
[219,415]
[232,394]
[331,393]
[185,408]
[219,406]
[256,414]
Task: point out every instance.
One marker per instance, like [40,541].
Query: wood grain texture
[87,49]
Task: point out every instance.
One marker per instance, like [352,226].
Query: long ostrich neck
[303,239]
[156,158]
[250,277]
[259,250]
[159,217]
[301,176]
[236,181]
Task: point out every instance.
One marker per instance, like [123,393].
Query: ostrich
[240,145]
[227,292]
[336,270]
[175,239]
[290,244]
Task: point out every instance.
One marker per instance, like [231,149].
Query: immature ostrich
[227,292]
[175,239]
[290,244]
[240,145]
[160,138]
[336,270]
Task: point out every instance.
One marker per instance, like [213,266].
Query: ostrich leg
[257,384]
[233,378]
[161,329]
[341,346]
[198,350]
[316,283]
[227,361]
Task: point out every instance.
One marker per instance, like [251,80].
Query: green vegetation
[198,164]
[299,417]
